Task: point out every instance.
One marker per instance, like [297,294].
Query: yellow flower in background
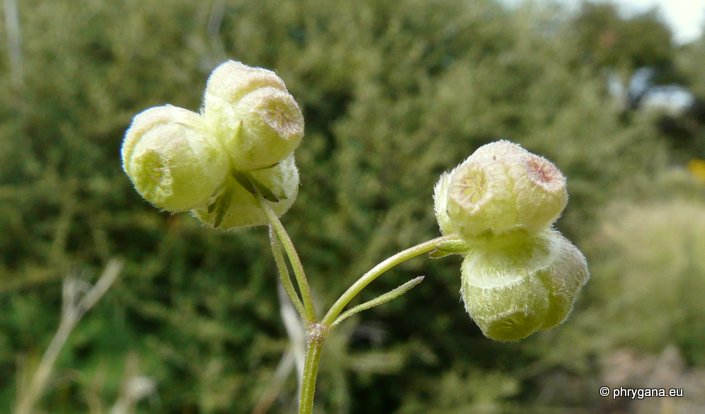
[697,168]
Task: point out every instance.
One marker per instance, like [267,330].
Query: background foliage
[393,94]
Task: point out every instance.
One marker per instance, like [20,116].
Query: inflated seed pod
[480,199]
[236,206]
[513,287]
[564,278]
[252,114]
[171,159]
[500,290]
[440,205]
[540,189]
[500,188]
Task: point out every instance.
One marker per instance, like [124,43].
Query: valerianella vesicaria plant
[232,165]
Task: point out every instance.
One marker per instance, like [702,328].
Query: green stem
[377,271]
[284,274]
[317,332]
[296,266]
[316,337]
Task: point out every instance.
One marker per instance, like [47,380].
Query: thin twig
[14,40]
[70,316]
[292,358]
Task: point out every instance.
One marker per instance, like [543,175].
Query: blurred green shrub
[652,276]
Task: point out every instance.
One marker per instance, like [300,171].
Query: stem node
[316,333]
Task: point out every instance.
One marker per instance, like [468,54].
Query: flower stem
[284,274]
[377,271]
[316,332]
[290,250]
[316,337]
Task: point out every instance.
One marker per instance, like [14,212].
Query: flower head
[171,159]
[216,162]
[518,275]
[515,288]
[253,115]
[500,188]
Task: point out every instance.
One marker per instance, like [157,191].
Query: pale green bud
[171,159]
[480,199]
[440,205]
[253,115]
[500,291]
[564,278]
[513,287]
[239,205]
[499,189]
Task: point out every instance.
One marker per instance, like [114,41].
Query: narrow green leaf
[222,204]
[263,189]
[244,180]
[266,167]
[392,294]
[255,186]
[215,196]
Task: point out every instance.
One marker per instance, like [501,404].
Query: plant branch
[284,275]
[290,250]
[377,271]
[313,359]
[379,300]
